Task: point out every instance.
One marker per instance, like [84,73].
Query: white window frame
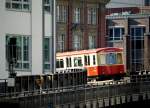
[92,15]
[61,42]
[91,41]
[113,37]
[76,15]
[22,3]
[22,61]
[61,13]
[77,42]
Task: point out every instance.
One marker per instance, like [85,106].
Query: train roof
[105,49]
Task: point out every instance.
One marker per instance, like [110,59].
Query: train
[100,63]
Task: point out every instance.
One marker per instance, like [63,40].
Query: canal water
[139,104]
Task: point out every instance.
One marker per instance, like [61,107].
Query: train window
[68,59]
[102,59]
[119,58]
[77,61]
[59,63]
[111,58]
[94,60]
[87,60]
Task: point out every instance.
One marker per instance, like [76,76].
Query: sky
[124,3]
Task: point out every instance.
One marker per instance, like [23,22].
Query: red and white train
[100,63]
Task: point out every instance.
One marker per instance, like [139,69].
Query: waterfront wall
[83,96]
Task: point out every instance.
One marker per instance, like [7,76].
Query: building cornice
[127,16]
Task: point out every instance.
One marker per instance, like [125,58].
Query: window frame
[20,43]
[112,37]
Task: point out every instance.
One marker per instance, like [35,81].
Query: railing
[100,90]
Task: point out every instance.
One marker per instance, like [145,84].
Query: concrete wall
[24,23]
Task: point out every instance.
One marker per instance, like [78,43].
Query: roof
[106,49]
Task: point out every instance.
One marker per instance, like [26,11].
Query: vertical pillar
[146,51]
[127,52]
[84,25]
[37,36]
[53,49]
[69,26]
[101,32]
[3,28]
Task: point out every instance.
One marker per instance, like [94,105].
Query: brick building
[80,24]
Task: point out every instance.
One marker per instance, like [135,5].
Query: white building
[21,24]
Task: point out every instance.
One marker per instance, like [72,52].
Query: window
[61,43]
[77,61]
[116,33]
[76,16]
[46,53]
[137,46]
[23,5]
[22,50]
[92,43]
[47,4]
[147,3]
[68,60]
[61,13]
[119,58]
[77,42]
[86,60]
[92,16]
[102,59]
[111,58]
[59,63]
[94,60]
[137,32]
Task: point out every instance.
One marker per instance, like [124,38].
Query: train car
[100,63]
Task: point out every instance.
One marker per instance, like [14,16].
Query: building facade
[80,25]
[130,32]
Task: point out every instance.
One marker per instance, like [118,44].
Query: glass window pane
[119,58]
[94,60]
[47,66]
[79,61]
[132,32]
[8,5]
[57,64]
[68,62]
[75,62]
[117,32]
[61,63]
[18,66]
[102,59]
[26,0]
[138,31]
[16,6]
[26,56]
[26,65]
[46,50]
[26,6]
[111,58]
